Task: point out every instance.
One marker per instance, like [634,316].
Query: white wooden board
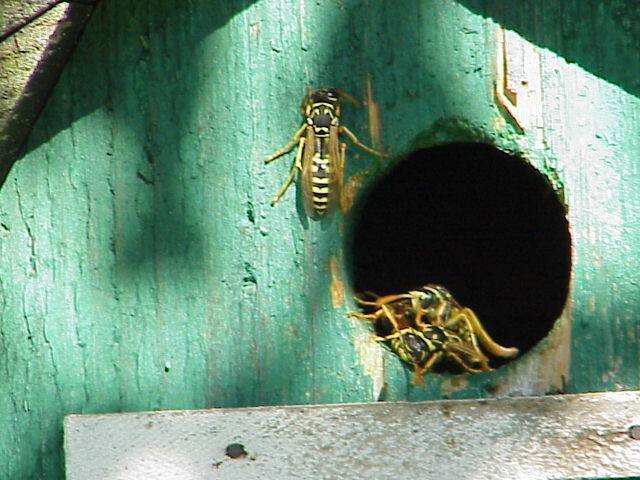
[563,436]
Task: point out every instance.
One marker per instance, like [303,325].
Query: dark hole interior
[481,222]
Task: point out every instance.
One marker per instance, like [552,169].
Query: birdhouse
[487,148]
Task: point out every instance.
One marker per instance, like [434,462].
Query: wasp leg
[392,298]
[368,316]
[418,372]
[465,332]
[383,311]
[386,338]
[379,301]
[431,362]
[468,368]
[442,312]
[357,142]
[391,317]
[343,149]
[288,146]
[297,165]
[367,302]
[418,319]
[487,342]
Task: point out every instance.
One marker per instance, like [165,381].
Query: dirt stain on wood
[337,285]
[349,191]
[373,113]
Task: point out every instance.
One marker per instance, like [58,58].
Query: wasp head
[434,301]
[417,347]
[410,348]
[324,95]
[330,97]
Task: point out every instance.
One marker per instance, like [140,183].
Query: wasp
[320,155]
[427,325]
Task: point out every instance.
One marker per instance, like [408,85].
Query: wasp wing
[337,168]
[306,183]
[473,359]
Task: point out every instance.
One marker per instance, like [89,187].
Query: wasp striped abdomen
[320,178]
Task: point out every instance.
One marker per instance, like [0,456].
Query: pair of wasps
[427,327]
[320,156]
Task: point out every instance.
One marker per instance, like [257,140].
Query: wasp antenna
[364,302]
[349,97]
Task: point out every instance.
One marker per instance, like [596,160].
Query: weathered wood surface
[143,267]
[560,436]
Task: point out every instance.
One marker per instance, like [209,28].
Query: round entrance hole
[481,222]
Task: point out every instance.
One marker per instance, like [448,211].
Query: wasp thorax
[322,120]
[427,300]
[416,347]
[431,296]
[435,334]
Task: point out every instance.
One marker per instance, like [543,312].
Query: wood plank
[565,436]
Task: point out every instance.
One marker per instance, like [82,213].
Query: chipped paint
[543,370]
[370,356]
[337,285]
[451,383]
[373,115]
[349,191]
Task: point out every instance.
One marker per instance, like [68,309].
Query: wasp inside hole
[320,156]
[427,325]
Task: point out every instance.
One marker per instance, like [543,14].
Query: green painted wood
[143,267]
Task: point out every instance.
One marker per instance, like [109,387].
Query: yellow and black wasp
[427,325]
[320,155]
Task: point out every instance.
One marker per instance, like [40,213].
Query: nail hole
[482,222]
[235,450]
